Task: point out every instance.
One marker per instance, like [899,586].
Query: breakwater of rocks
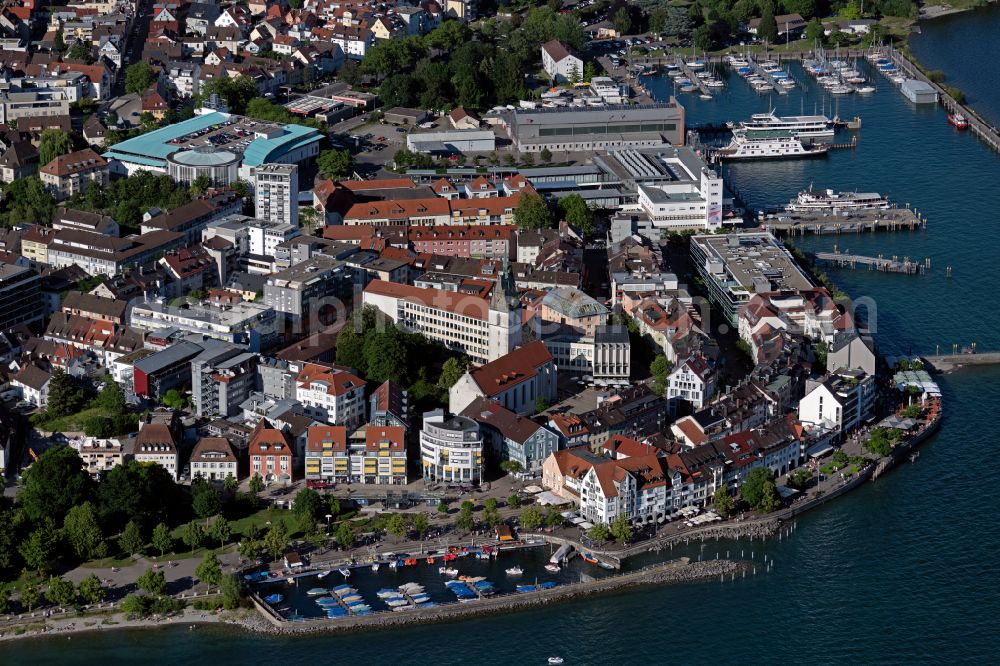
[675,571]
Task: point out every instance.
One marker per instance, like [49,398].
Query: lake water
[900,571]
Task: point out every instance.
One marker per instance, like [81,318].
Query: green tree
[81,52]
[152,581]
[531,517]
[492,517]
[335,163]
[420,524]
[276,540]
[174,399]
[702,38]
[396,525]
[770,500]
[553,518]
[230,484]
[209,571]
[804,8]
[30,596]
[491,504]
[758,486]
[532,212]
[53,484]
[600,532]
[27,200]
[722,501]
[40,546]
[465,520]
[52,144]
[192,534]
[344,534]
[851,11]
[65,397]
[205,499]
[308,504]
[232,591]
[139,76]
[61,592]
[814,31]
[621,529]
[256,484]
[136,606]
[90,590]
[386,356]
[514,501]
[4,599]
[577,213]
[767,31]
[660,370]
[131,540]
[98,426]
[442,508]
[250,549]
[623,21]
[546,156]
[221,530]
[452,370]
[162,541]
[83,532]
[144,493]
[878,442]
[512,466]
[468,505]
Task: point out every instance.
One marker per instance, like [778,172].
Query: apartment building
[331,395]
[371,455]
[73,173]
[276,193]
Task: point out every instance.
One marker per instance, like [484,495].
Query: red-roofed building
[73,173]
[489,241]
[484,329]
[375,454]
[634,488]
[270,453]
[516,380]
[330,394]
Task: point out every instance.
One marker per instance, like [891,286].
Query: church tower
[504,316]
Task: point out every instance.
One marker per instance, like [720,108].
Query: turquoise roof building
[256,141]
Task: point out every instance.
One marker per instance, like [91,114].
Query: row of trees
[111,416]
[453,66]
[58,592]
[380,351]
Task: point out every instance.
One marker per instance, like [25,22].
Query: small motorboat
[515,571]
[705,97]
[958,120]
[553,568]
[323,575]
[555,660]
[274,598]
[447,571]
[316,591]
[588,558]
[375,566]
[346,573]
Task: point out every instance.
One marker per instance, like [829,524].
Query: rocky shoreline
[677,571]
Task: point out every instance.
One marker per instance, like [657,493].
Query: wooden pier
[879,263]
[693,76]
[893,219]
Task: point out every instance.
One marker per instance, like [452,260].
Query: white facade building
[276,193]
[451,449]
[330,395]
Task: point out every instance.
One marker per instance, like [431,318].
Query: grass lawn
[108,562]
[73,422]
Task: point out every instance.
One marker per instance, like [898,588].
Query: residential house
[516,380]
[213,459]
[270,453]
[511,437]
[155,444]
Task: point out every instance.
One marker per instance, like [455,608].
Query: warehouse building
[570,129]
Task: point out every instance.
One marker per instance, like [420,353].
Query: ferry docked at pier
[768,145]
[808,201]
[807,128]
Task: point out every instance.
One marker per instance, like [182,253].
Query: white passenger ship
[808,200]
[768,144]
[808,128]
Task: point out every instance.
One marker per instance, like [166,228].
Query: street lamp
[328,517]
